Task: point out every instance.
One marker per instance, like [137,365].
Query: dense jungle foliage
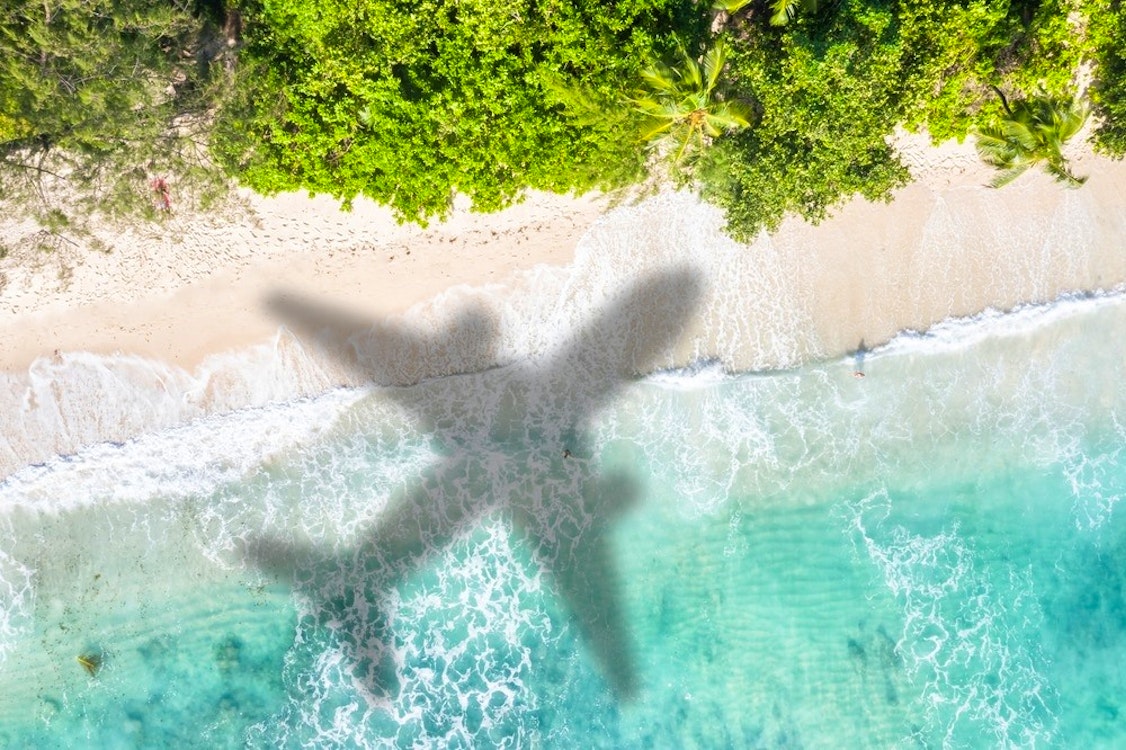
[411,102]
[834,84]
[408,101]
[97,96]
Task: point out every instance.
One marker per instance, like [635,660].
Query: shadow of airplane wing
[388,353]
[410,530]
[416,526]
[627,339]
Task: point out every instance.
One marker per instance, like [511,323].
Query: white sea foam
[961,333]
[447,669]
[63,403]
[970,644]
[982,393]
[1096,479]
[17,599]
[700,375]
[755,308]
[143,485]
[189,460]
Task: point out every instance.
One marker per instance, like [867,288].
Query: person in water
[861,350]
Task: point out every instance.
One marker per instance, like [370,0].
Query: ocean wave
[191,459]
[17,599]
[703,373]
[964,332]
[967,644]
[76,399]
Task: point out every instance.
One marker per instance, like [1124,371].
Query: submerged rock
[91,661]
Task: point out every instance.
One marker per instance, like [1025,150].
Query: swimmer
[861,350]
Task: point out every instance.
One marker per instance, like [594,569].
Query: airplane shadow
[512,441]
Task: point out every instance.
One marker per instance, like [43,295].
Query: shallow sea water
[930,556]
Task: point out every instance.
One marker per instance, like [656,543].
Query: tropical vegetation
[683,106]
[785,11]
[1032,131]
[409,103]
[767,108]
[781,11]
[1106,40]
[100,97]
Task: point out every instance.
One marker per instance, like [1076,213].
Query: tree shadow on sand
[512,441]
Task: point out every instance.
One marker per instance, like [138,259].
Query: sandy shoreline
[195,289]
[187,302]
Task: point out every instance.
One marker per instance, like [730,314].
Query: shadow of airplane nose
[631,335]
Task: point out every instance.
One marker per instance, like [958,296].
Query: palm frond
[660,78]
[691,71]
[714,60]
[655,107]
[784,12]
[1059,170]
[656,128]
[1007,176]
[787,10]
[1073,121]
[1032,131]
[680,152]
[994,149]
[1020,134]
[727,117]
[682,105]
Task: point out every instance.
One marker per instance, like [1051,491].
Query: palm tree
[784,11]
[683,104]
[1032,131]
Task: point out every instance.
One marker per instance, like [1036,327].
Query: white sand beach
[171,325]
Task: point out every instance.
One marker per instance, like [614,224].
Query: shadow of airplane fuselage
[554,496]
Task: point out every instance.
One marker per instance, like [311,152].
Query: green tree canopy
[832,87]
[1106,33]
[827,98]
[408,102]
[95,95]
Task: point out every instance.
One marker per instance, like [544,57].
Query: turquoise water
[930,556]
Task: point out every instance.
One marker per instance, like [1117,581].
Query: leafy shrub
[828,95]
[832,88]
[94,95]
[1106,33]
[407,102]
